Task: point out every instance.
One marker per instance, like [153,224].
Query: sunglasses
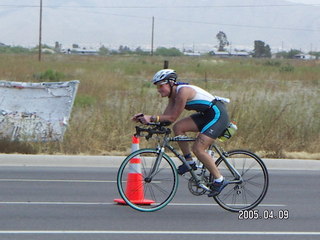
[161,83]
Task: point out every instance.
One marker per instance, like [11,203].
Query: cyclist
[210,121]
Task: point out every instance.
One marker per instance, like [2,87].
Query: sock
[219,180]
[190,162]
[189,159]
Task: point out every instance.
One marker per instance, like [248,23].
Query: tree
[140,51]
[16,49]
[316,54]
[168,51]
[103,50]
[57,47]
[223,41]
[124,50]
[282,54]
[261,50]
[293,52]
[267,51]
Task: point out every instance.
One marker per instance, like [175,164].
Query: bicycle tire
[152,194]
[248,194]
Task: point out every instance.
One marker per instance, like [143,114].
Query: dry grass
[275,103]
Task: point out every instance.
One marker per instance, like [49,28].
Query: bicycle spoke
[244,197]
[249,192]
[243,167]
[249,168]
[152,194]
[258,174]
[160,189]
[259,185]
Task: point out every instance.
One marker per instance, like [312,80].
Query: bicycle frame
[235,173]
[243,170]
[165,145]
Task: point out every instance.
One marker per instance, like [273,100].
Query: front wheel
[254,185]
[145,184]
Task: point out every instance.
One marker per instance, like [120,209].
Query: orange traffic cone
[134,188]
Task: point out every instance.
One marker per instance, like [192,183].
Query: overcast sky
[96,22]
[306,1]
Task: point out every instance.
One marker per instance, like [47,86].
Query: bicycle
[247,174]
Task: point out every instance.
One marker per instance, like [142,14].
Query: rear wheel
[255,180]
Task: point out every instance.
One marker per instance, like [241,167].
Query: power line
[238,25]
[162,7]
[170,19]
[203,22]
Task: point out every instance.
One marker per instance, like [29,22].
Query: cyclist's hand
[145,119]
[140,117]
[137,116]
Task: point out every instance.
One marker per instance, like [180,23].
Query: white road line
[210,204]
[57,180]
[55,203]
[164,232]
[105,203]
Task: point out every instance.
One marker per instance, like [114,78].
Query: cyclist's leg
[199,149]
[216,120]
[181,128]
[212,123]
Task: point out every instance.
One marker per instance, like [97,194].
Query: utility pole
[40,31]
[152,36]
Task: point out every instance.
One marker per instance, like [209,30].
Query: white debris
[35,111]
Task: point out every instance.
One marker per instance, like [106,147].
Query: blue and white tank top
[201,101]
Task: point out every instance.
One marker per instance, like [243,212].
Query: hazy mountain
[179,23]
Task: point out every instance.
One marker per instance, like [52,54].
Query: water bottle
[229,132]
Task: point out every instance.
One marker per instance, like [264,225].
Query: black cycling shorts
[213,121]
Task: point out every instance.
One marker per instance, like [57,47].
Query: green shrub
[49,75]
[84,101]
[287,68]
[272,63]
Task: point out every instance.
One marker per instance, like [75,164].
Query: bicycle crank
[195,188]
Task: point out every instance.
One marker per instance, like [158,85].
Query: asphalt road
[77,203]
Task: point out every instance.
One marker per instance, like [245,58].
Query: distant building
[230,54]
[48,50]
[220,53]
[304,56]
[192,53]
[240,54]
[85,52]
[80,51]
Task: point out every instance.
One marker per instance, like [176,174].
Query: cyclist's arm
[176,106]
[169,107]
[173,109]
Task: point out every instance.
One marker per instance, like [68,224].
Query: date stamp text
[255,214]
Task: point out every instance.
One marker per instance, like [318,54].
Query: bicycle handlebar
[155,128]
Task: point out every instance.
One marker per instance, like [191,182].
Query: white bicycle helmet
[165,75]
